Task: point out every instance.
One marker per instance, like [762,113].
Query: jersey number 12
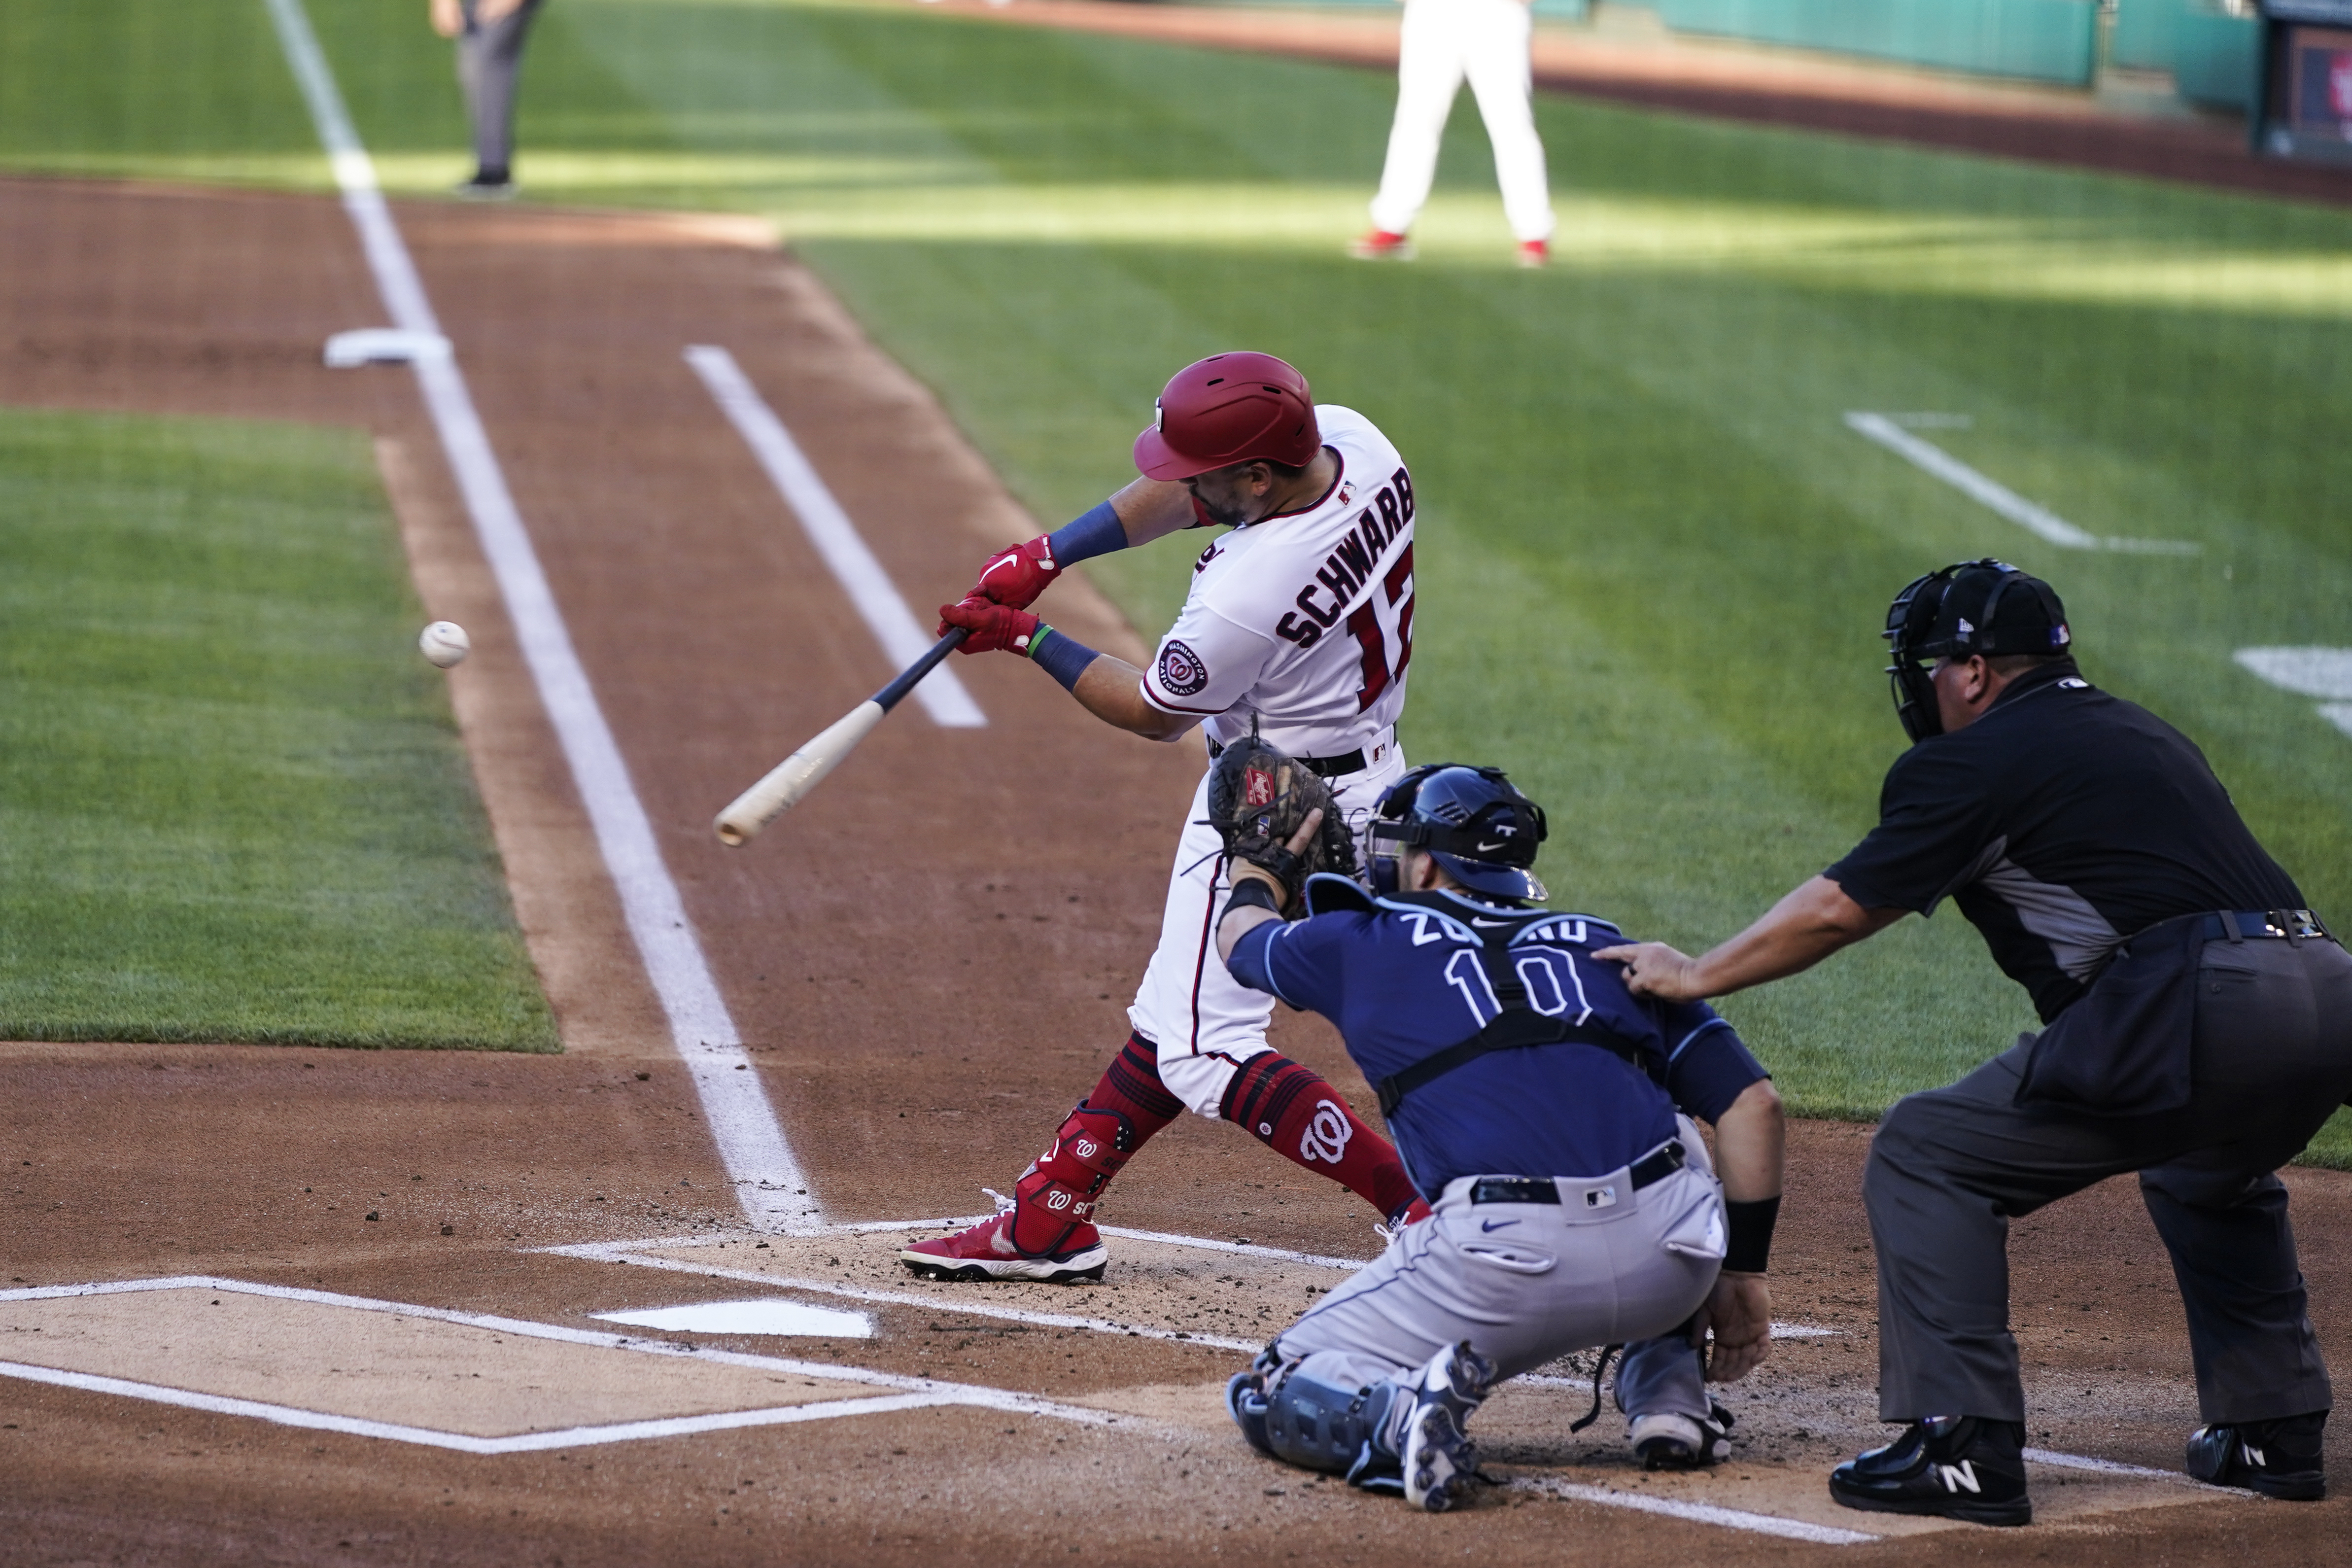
[1365,623]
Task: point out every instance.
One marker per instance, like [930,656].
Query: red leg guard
[1062,1189]
[1294,1111]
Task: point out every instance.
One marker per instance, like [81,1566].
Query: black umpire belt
[1648,1171]
[1327,767]
[2291,925]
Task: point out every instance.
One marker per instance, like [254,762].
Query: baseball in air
[445,643]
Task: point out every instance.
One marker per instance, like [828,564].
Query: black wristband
[1750,1227]
[1249,894]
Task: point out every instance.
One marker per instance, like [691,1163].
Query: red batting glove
[1016,576]
[992,627]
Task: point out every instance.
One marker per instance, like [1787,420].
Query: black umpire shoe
[2277,1458]
[1961,1467]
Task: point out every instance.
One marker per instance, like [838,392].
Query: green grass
[232,802]
[1655,560]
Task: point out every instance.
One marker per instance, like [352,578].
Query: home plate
[767,1316]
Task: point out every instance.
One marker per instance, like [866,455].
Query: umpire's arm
[1813,922]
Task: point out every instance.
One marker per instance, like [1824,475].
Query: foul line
[768,1180]
[913,1392]
[1996,496]
[836,539]
[1696,1512]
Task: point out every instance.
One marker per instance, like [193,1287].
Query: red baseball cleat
[986,1252]
[1535,253]
[1381,246]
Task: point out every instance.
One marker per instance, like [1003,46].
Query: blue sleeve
[1707,1067]
[1299,961]
[1098,532]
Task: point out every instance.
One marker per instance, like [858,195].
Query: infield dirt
[931,961]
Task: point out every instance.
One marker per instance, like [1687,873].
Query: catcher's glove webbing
[1257,800]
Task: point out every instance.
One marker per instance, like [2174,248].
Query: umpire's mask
[1974,607]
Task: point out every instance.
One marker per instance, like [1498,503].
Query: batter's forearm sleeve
[1098,532]
[1060,655]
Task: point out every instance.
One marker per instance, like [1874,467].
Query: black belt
[1648,1171]
[1329,767]
[2295,925]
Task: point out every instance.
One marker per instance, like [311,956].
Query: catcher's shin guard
[1058,1193]
[1318,1425]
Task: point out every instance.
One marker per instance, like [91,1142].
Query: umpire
[2198,1030]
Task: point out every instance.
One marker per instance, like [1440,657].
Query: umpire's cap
[1227,409]
[1968,609]
[1471,820]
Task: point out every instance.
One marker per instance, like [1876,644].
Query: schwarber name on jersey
[1303,619]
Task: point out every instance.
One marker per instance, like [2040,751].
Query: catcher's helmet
[1226,409]
[1974,607]
[1470,819]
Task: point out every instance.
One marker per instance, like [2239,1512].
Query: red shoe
[986,1252]
[1381,246]
[1535,253]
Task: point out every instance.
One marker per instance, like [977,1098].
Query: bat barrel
[790,780]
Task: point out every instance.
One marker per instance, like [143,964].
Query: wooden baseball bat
[789,781]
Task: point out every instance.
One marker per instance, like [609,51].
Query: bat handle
[890,695]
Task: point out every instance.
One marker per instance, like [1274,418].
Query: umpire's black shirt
[2062,821]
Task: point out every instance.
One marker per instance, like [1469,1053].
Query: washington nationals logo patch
[1327,1134]
[1182,673]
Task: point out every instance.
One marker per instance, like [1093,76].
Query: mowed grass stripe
[232,803]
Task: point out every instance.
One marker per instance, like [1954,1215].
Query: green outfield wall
[2045,40]
[2213,55]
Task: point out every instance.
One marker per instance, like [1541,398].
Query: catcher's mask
[1477,826]
[1984,607]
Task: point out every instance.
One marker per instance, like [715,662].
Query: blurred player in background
[490,35]
[1442,42]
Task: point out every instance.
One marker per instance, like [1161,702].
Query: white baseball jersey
[1304,620]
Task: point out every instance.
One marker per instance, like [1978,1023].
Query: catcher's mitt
[1257,800]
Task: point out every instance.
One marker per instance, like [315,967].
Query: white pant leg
[1429,73]
[1496,38]
[1205,1023]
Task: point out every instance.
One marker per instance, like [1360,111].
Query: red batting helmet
[1229,408]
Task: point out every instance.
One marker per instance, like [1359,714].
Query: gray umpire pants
[2271,1060]
[488,59]
[1526,1283]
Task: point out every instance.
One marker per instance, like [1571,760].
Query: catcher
[1298,623]
[1546,1111]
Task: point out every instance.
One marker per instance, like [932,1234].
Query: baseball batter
[1441,42]
[1543,1108]
[1300,626]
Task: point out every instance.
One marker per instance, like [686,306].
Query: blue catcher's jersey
[1406,981]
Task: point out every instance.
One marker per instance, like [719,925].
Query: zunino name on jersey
[1348,568]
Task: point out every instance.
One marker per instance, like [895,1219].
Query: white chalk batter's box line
[636,1253]
[914,1393]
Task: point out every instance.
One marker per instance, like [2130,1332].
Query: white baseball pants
[1443,41]
[1205,1023]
